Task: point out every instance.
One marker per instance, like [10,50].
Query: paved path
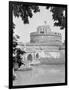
[42,74]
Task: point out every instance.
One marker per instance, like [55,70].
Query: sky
[38,19]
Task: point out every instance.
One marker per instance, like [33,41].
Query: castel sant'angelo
[44,43]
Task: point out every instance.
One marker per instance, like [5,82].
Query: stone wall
[45,38]
[34,48]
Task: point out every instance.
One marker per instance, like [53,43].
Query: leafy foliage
[58,15]
[17,52]
[24,10]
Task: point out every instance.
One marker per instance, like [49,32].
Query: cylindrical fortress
[45,35]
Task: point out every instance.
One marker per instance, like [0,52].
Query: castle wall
[43,44]
[44,38]
[41,48]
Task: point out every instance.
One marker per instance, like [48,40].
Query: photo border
[11,49]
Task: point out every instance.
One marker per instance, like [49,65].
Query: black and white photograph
[37,44]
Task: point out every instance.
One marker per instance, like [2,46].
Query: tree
[24,10]
[59,15]
[17,52]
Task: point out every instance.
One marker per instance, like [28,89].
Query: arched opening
[37,56]
[29,57]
